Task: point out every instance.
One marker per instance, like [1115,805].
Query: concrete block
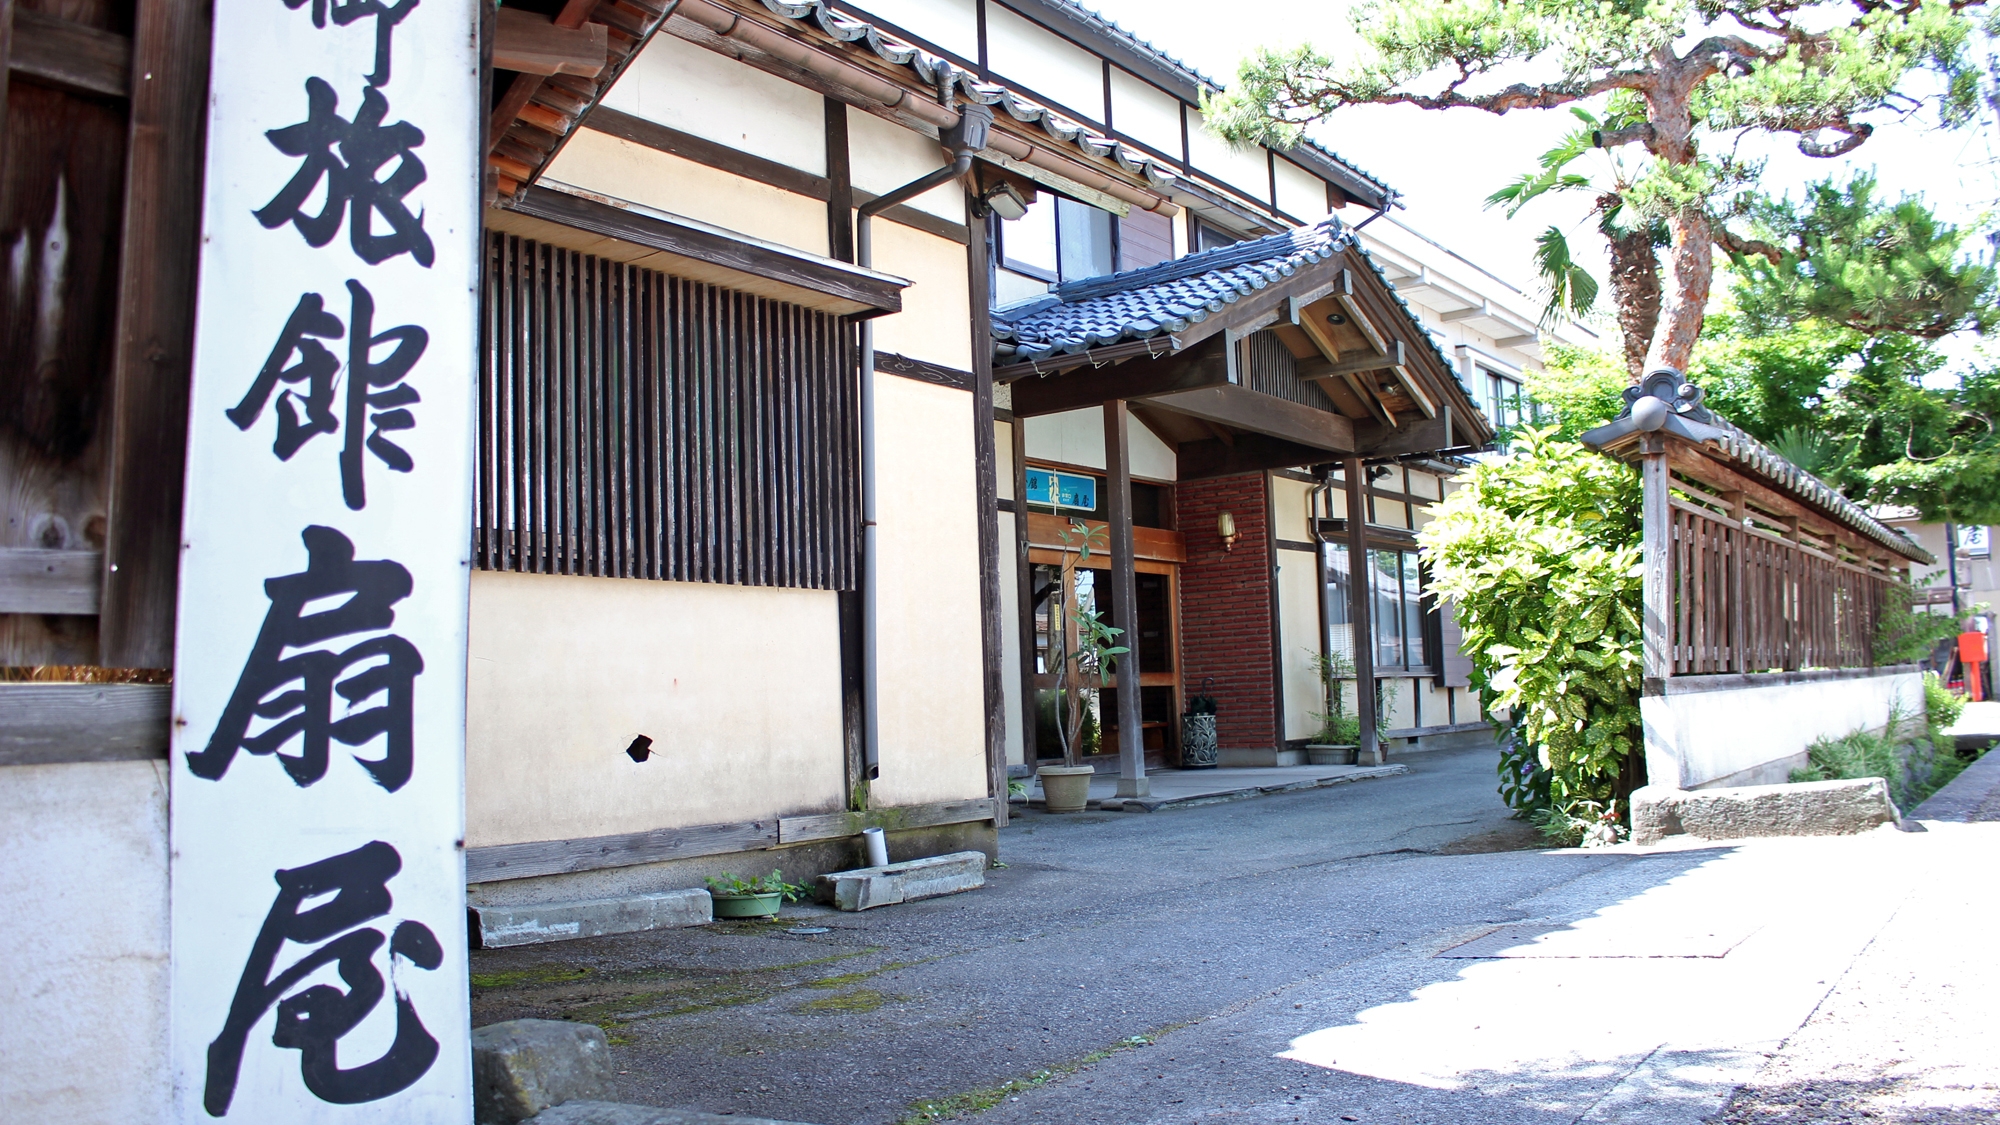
[869,887]
[522,1067]
[1811,808]
[559,921]
[612,1113]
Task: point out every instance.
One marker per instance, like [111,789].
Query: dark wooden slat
[1247,411]
[46,723]
[1245,453]
[38,581]
[1203,366]
[835,826]
[78,58]
[890,363]
[495,862]
[985,465]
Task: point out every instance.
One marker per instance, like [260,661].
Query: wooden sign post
[317,800]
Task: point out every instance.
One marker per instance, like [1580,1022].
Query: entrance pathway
[1204,787]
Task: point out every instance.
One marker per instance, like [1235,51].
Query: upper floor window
[1505,402]
[1060,240]
[1209,237]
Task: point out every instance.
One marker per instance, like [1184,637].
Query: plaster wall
[1298,639]
[933,717]
[1010,596]
[950,24]
[1044,63]
[737,686]
[1147,114]
[1076,437]
[1288,509]
[1244,169]
[1301,194]
[883,156]
[937,307]
[612,166]
[711,95]
[1757,735]
[83,918]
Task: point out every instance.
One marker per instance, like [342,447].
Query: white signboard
[319,947]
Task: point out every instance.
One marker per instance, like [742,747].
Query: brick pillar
[1226,608]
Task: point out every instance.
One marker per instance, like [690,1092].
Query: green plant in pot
[1339,732]
[1085,656]
[756,897]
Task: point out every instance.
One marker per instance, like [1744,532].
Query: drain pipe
[962,140]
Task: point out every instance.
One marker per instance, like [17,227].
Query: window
[1059,240]
[1504,399]
[1398,632]
[1209,237]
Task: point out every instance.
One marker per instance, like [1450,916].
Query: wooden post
[1657,544]
[1124,598]
[1739,540]
[1370,752]
[984,455]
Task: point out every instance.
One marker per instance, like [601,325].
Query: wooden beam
[531,43]
[33,580]
[495,862]
[48,723]
[71,56]
[841,825]
[1246,453]
[1411,386]
[152,361]
[1203,366]
[1393,358]
[985,458]
[1248,411]
[1427,436]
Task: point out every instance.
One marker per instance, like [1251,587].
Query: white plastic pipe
[878,847]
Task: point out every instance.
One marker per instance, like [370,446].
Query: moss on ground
[538,974]
[967,1103]
[858,1000]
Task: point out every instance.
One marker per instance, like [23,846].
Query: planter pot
[1329,754]
[1066,788]
[1198,750]
[747,906]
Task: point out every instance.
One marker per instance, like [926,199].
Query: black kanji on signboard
[365,145]
[386,17]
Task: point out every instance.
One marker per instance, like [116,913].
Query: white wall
[696,90]
[1757,735]
[936,322]
[1301,194]
[933,705]
[1298,640]
[1076,437]
[1010,597]
[1147,114]
[83,920]
[737,686]
[1024,55]
[884,156]
[619,168]
[950,24]
[1244,169]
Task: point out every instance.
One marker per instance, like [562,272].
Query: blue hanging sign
[1062,490]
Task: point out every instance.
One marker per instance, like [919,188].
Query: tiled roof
[946,78]
[1763,462]
[1173,296]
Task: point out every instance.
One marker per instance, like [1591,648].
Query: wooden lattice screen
[639,425]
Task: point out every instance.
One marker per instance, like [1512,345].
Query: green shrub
[1928,765]
[1903,634]
[1540,554]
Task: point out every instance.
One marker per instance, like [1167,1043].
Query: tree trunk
[1693,264]
[1635,284]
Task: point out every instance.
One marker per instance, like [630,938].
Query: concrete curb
[614,1113]
[1967,794]
[502,926]
[868,887]
[1809,808]
[1155,804]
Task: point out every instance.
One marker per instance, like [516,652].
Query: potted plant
[1339,737]
[1083,663]
[757,897]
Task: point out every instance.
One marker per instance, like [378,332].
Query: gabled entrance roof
[1284,350]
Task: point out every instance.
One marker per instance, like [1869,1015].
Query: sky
[1446,163]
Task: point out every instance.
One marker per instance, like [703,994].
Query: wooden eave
[1393,395]
[624,232]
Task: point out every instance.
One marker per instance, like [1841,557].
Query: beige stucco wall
[936,322]
[1010,596]
[1076,437]
[883,156]
[83,918]
[1298,640]
[737,686]
[699,91]
[611,166]
[1288,509]
[933,703]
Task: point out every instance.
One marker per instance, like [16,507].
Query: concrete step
[613,1113]
[868,887]
[501,926]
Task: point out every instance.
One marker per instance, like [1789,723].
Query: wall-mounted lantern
[1225,526]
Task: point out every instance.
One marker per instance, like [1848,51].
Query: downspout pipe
[962,141]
